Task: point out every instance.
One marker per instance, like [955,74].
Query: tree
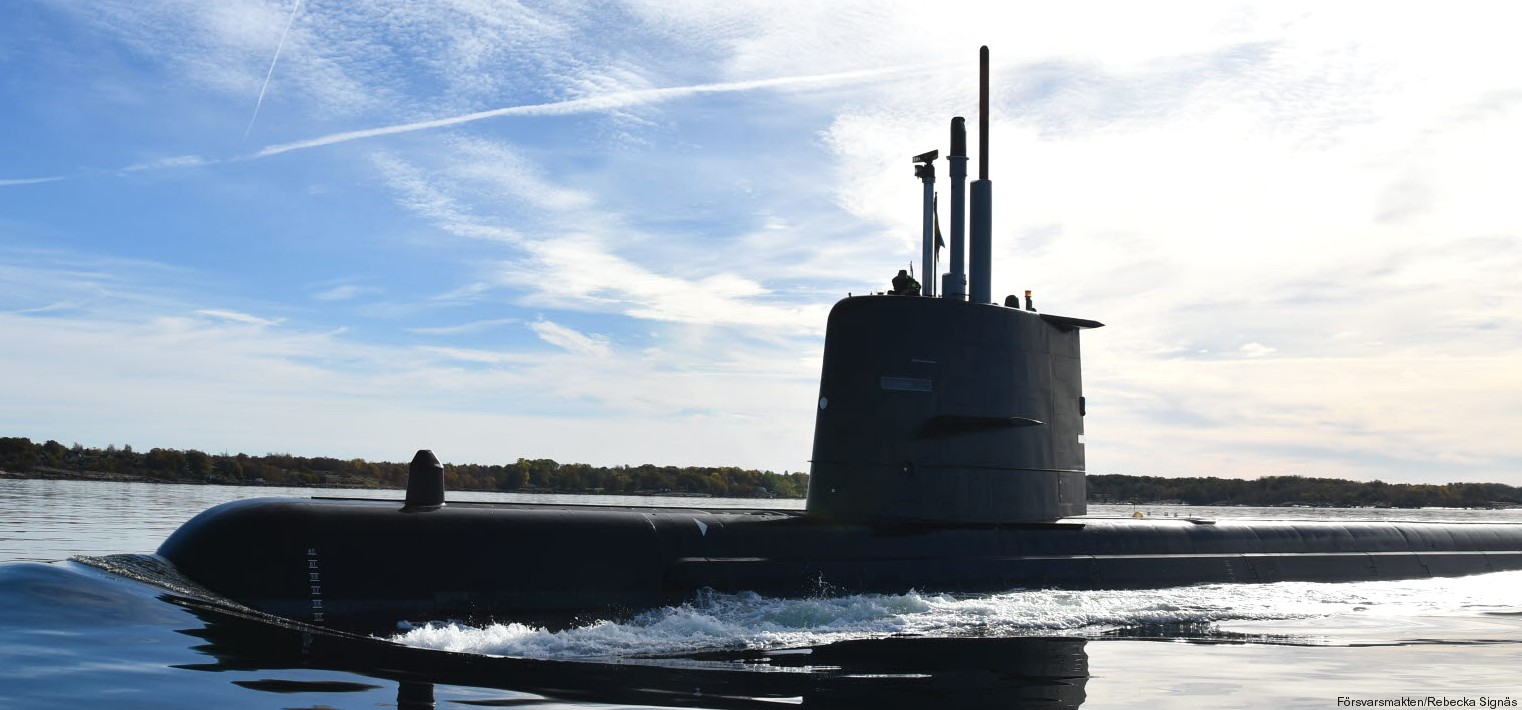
[54,453]
[167,462]
[198,464]
[17,454]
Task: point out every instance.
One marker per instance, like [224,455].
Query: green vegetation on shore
[22,458]
[1299,490]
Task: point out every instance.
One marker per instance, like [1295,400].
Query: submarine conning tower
[950,409]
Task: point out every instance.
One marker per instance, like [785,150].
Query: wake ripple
[749,621]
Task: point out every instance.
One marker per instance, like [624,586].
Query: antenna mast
[924,169]
[980,258]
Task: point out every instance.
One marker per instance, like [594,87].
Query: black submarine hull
[366,564]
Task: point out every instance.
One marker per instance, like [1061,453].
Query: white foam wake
[751,621]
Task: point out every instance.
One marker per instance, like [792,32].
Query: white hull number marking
[314,585]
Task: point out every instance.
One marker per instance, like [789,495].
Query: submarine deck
[763,512]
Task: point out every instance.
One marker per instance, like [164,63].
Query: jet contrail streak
[4,182]
[590,104]
[289,21]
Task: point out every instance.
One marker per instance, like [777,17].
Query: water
[72,635]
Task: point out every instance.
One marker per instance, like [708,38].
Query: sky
[611,232]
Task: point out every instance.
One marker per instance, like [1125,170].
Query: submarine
[948,456]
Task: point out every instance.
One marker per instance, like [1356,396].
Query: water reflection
[74,634]
[877,673]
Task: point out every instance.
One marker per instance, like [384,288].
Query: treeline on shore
[1299,490]
[54,460]
[20,456]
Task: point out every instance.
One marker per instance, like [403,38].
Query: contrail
[290,21]
[4,182]
[591,104]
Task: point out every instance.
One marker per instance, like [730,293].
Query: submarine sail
[950,409]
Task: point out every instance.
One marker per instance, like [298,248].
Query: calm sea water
[73,635]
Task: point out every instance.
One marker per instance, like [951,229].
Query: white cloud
[237,317]
[217,385]
[227,46]
[570,340]
[1256,350]
[496,170]
[578,271]
[480,357]
[573,266]
[420,193]
[1356,417]
[178,161]
[341,292]
[464,328]
[88,283]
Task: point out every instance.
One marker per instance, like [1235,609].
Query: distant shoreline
[52,460]
[43,474]
[109,477]
[54,474]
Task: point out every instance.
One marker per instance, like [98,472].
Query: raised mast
[980,256]
[955,285]
[924,169]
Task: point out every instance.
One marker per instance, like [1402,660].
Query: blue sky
[612,232]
